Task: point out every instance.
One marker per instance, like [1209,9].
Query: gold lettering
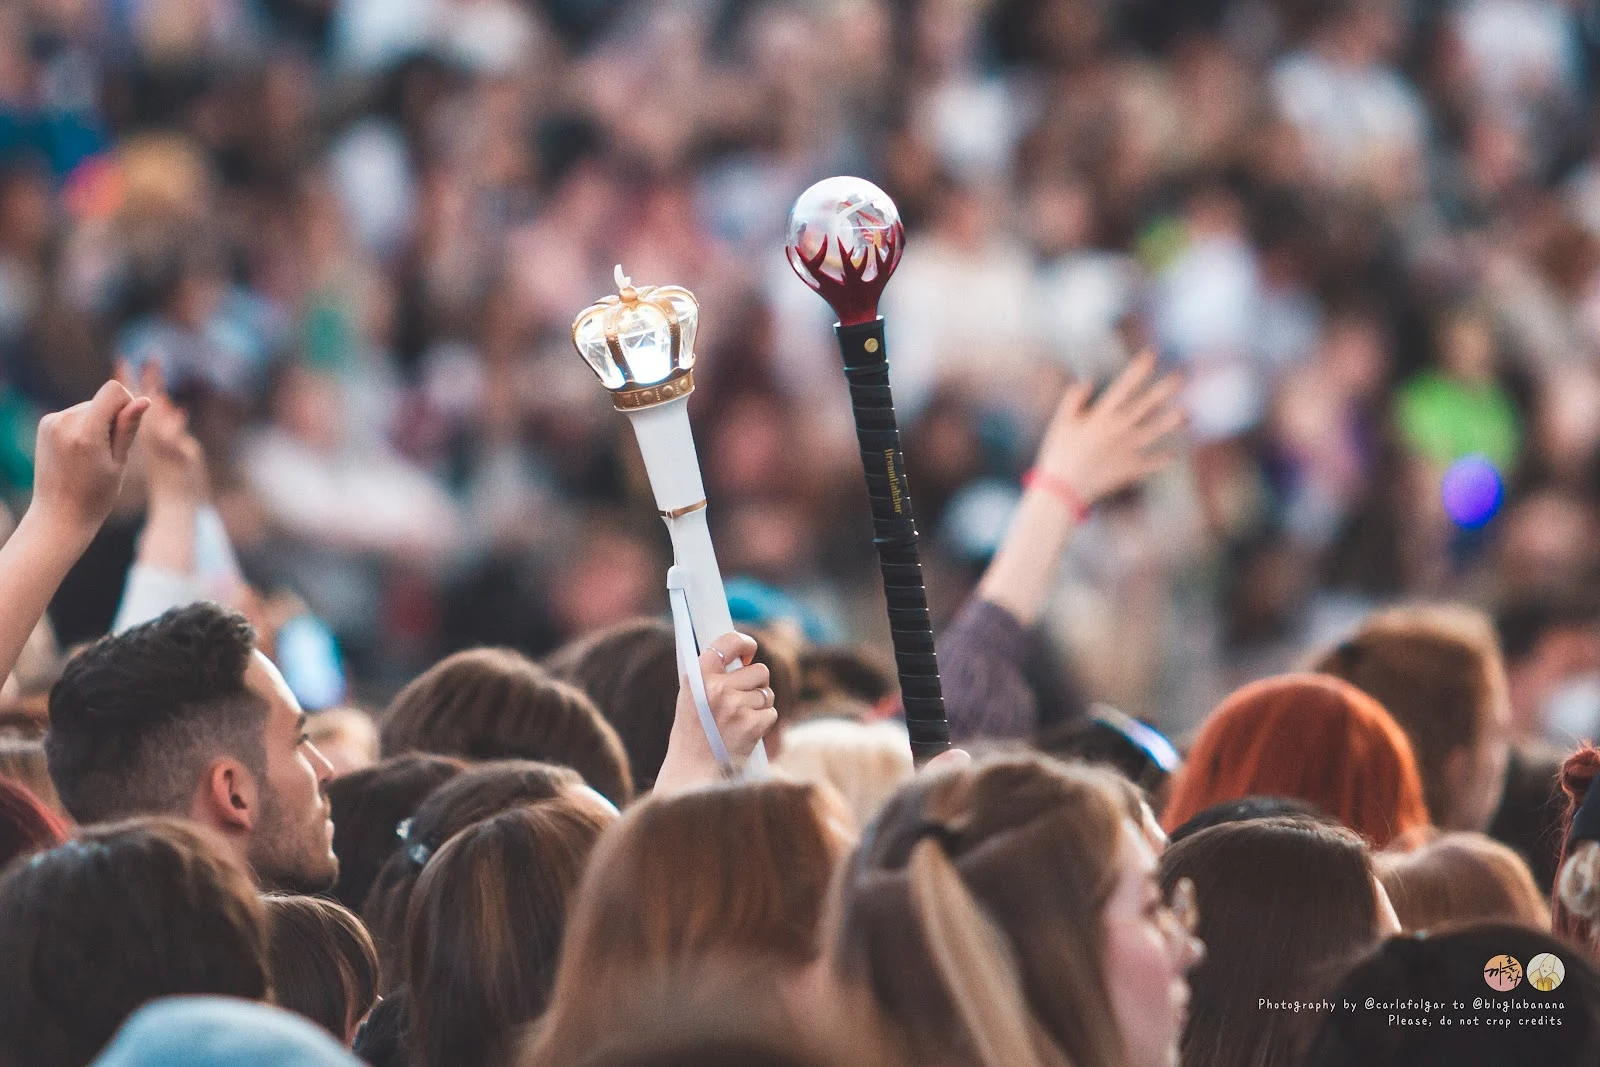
[894,480]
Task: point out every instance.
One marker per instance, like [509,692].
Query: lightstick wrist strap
[689,665]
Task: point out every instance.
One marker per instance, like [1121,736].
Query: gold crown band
[678,513]
[633,398]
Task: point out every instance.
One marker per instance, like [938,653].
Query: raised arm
[1089,452]
[78,466]
[165,570]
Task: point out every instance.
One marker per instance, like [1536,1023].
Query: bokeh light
[1473,492]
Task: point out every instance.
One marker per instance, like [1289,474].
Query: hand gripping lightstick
[845,240]
[640,343]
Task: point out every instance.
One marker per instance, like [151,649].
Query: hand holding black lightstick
[845,239]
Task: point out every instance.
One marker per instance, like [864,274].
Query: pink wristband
[1060,488]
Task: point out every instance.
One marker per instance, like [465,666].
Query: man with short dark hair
[184,716]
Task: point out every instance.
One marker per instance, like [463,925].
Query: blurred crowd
[353,234]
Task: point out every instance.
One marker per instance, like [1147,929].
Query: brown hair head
[630,671]
[1439,672]
[485,929]
[470,797]
[323,964]
[1461,878]
[124,914]
[1284,903]
[493,703]
[368,807]
[728,870]
[971,913]
[1310,737]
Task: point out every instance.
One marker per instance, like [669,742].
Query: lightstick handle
[667,446]
[894,535]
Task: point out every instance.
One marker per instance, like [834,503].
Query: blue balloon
[1473,492]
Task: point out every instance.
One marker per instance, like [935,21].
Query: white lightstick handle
[670,461]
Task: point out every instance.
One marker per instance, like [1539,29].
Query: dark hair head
[470,797]
[1450,968]
[485,926]
[26,825]
[323,964]
[493,703]
[1243,810]
[368,807]
[384,1040]
[1284,904]
[740,869]
[136,718]
[630,671]
[125,913]
[829,672]
[972,911]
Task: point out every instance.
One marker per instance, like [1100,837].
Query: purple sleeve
[980,668]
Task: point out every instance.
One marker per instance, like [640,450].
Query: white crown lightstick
[640,344]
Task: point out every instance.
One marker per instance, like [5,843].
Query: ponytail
[974,966]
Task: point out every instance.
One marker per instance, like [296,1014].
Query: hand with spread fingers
[1119,440]
[741,702]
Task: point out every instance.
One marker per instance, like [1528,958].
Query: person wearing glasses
[1007,912]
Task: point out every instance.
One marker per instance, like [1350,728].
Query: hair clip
[403,830]
[419,854]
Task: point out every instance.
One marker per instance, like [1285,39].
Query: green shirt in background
[1443,419]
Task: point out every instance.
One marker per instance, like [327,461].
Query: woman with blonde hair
[865,761]
[1007,914]
[1458,879]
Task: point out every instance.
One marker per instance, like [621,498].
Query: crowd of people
[341,721]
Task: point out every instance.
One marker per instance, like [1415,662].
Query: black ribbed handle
[894,534]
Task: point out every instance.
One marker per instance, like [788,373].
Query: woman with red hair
[1310,737]
[1575,904]
[26,825]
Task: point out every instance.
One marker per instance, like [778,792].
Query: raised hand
[1120,439]
[175,462]
[79,461]
[741,703]
[78,466]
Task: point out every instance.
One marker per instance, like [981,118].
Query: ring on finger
[769,697]
[718,651]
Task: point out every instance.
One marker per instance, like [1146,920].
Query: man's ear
[229,797]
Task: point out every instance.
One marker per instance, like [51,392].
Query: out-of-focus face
[1482,782]
[1147,955]
[291,844]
